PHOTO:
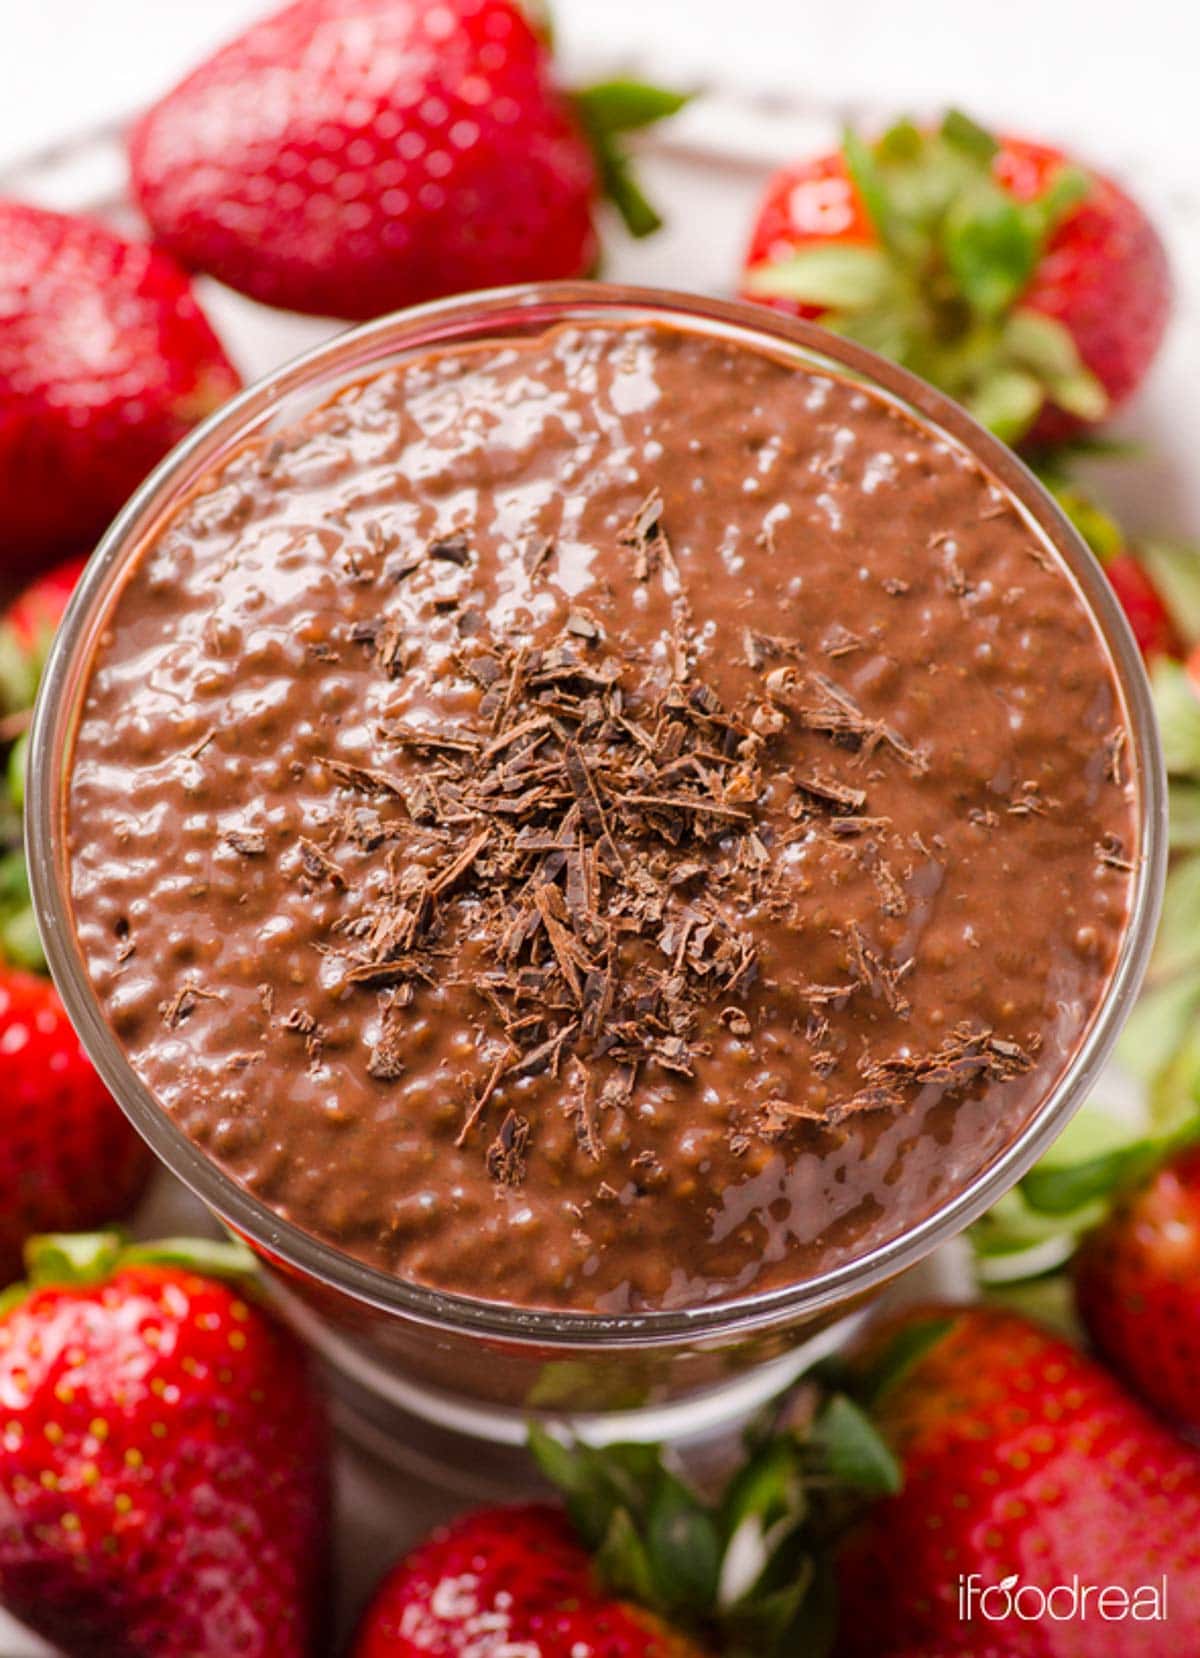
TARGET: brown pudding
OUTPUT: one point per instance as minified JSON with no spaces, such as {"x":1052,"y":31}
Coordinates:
{"x":605,"y":822}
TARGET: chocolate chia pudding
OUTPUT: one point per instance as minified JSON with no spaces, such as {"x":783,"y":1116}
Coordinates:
{"x":609,"y":821}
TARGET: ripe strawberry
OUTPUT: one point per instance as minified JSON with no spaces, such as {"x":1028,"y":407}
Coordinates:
{"x":1033,"y":292}
{"x":36,"y":612}
{"x":1022,"y":1458}
{"x":28,"y":626}
{"x":163,"y":1482}
{"x":507,"y":1580}
{"x":1152,"y":626}
{"x":1137,"y":1287}
{"x":348,"y":157}
{"x":105,"y":361}
{"x":68,"y":1157}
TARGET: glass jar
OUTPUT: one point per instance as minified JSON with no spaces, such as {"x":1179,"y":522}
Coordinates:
{"x":479,"y":1366}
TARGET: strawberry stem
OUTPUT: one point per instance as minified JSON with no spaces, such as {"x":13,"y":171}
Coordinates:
{"x":940,"y":280}
{"x":606,"y":111}
{"x":66,"y":1258}
{"x":751,"y":1563}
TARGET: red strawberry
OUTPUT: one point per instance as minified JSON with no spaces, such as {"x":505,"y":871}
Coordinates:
{"x":36,"y":612}
{"x":68,"y":1157}
{"x":1152,"y":624}
{"x":162,"y":1461}
{"x":1027,"y":1466}
{"x":348,"y":157}
{"x":508,"y":1581}
{"x":1148,"y":616}
{"x":28,"y":626}
{"x":105,"y":361}
{"x":1137,"y":1286}
{"x":1035,"y":293}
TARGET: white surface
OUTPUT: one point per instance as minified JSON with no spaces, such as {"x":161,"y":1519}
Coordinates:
{"x":1125,"y":76}
{"x":1118,"y":84}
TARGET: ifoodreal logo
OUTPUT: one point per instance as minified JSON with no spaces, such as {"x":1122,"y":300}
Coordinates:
{"x":1061,"y":1603}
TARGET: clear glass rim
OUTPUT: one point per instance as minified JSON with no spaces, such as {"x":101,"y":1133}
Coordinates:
{"x":351,"y":355}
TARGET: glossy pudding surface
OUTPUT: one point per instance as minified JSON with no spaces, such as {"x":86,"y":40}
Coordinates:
{"x":610,"y":821}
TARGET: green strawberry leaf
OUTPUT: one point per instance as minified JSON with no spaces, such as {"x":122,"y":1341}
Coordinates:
{"x":21,"y":942}
{"x":1159,"y":1023}
{"x":990,"y":248}
{"x":1047,"y":1300}
{"x":623,"y":1560}
{"x":541,"y":20}
{"x":606,"y":111}
{"x":1011,"y":1229}
{"x":1070,"y":1187}
{"x":19,"y":673}
{"x":89,"y":1257}
{"x":962,"y":133}
{"x":18,"y":762}
{"x":868,"y":180}
{"x":1175,"y":1094}
{"x":72,"y":1257}
{"x":1007,"y":402}
{"x":1183,"y":816}
{"x":627,"y":106}
{"x":768,"y":1487}
{"x":1175,"y":572}
{"x":770,"y":1622}
{"x":1042,"y":345}
{"x":210,"y":1257}
{"x":1079,"y":394}
{"x":1068,"y":187}
{"x":748,"y":1570}
{"x":557,"y":1461}
{"x":1098,"y":528}
{"x":837,"y":276}
{"x":684,"y":1547}
{"x":1048,"y":350}
{"x":902,"y":142}
{"x":905,"y":1349}
{"x":641,"y":218}
{"x":813,"y":1630}
{"x":1177,"y":945}
{"x":855,"y":1452}
{"x":1178,"y":710}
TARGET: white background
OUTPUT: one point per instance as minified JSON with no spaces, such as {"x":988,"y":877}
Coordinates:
{"x":1118,"y":83}
{"x":1125,"y":75}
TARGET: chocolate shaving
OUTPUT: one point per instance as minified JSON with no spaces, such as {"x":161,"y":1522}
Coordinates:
{"x":317,"y":864}
{"x":506,"y":1154}
{"x":595,"y":836}
{"x":178,"y":1007}
{"x":874,"y":974}
{"x":839,"y":641}
{"x":480,"y":1103}
{"x":386,"y":1059}
{"x":831,"y":793}
{"x":537,"y":554}
{"x":960,"y":1060}
{"x":1114,"y":748}
{"x":834,"y":713}
{"x":251,"y":843}
{"x":1110,"y":851}
{"x":450,"y":549}
{"x":1029,"y":801}
{"x":363,"y":778}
